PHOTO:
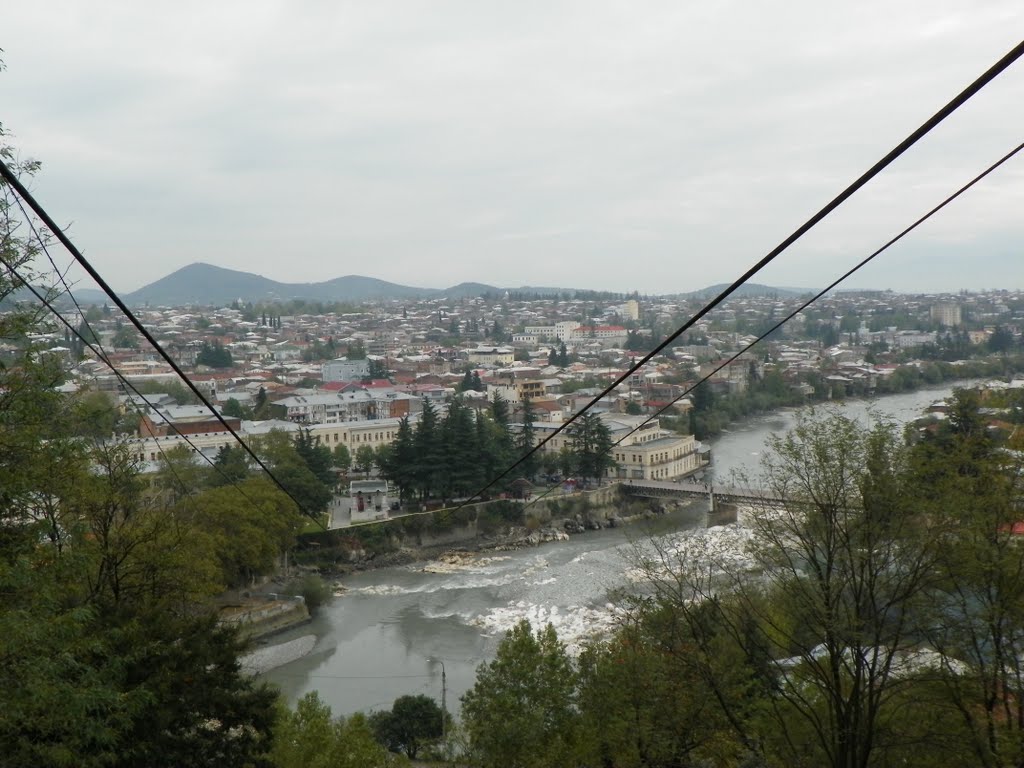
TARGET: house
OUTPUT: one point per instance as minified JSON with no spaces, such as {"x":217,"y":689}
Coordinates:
{"x":491,"y":356}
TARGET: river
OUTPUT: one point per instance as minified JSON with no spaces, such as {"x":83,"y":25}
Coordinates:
{"x":390,"y":634}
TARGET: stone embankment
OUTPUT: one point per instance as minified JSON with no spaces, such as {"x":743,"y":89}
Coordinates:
{"x":532,"y":523}
{"x":261,"y":615}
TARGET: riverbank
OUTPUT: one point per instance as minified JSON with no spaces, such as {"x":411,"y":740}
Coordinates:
{"x":389,"y":633}
{"x":403,"y":541}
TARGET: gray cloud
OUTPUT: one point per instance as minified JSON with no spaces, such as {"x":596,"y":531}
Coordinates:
{"x":655,"y":146}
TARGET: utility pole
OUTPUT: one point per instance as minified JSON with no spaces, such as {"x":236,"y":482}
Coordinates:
{"x":444,"y":706}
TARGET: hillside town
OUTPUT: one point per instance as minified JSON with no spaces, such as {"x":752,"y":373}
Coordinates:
{"x":347,"y":375}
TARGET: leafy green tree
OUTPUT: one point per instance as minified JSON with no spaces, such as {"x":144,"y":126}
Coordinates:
{"x":109,"y":654}
{"x":181,"y":472}
{"x":126,"y":338}
{"x":521,"y":711}
{"x":499,"y":411}
{"x":235,"y":410}
{"x":356,"y":350}
{"x":261,"y":405}
{"x":317,"y":457}
{"x":309,"y":737}
{"x":249,"y":533}
{"x":214,"y":356}
{"x":365,"y":459}
{"x":965,"y":477}
{"x":277,"y":447}
{"x":1001,"y":341}
{"x":643,"y":699}
{"x":342,"y":457}
{"x":232,"y":463}
{"x":846,"y":566}
{"x":412,"y":724}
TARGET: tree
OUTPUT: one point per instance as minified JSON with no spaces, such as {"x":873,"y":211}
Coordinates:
{"x":643,"y":700}
{"x":309,"y":737}
{"x":232,"y":463}
{"x":591,"y":444}
{"x":291,"y":469}
{"x":845,"y":566}
{"x":365,"y":458}
{"x":214,"y":356}
{"x":235,"y":410}
{"x":526,"y":440}
{"x":461,"y":449}
{"x":1001,"y":340}
{"x":317,"y":457}
{"x":125,"y":338}
{"x":978,"y":608}
{"x":109,"y":652}
{"x":414,"y":722}
{"x":399,"y":466}
{"x":521,"y":711}
{"x":250,"y":533}
{"x":356,"y":350}
{"x":261,"y":405}
{"x":342,"y":457}
{"x":430,"y":465}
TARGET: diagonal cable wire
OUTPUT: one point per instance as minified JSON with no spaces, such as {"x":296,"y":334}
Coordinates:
{"x":959,"y":100}
{"x":888,"y":244}
{"x":25,"y":195}
{"x":98,"y":352}
{"x":97,"y":349}
{"x":892,"y":241}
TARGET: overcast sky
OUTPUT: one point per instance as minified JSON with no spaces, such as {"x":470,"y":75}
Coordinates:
{"x":658,"y":145}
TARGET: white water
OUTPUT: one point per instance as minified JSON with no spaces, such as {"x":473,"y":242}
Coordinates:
{"x":390,"y":633}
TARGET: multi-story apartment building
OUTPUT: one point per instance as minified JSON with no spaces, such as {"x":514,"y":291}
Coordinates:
{"x":948,"y":314}
{"x":343,"y":369}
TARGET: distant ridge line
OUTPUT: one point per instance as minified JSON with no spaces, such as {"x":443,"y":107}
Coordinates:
{"x":207,"y":284}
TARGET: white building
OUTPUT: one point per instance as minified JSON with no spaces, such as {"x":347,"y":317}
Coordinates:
{"x":947,"y":314}
{"x":344,"y":369}
{"x":369,"y":500}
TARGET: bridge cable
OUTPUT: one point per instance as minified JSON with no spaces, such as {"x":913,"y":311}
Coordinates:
{"x":892,"y":241}
{"x":16,"y":184}
{"x":811,"y":300}
{"x":959,"y":100}
{"x":97,"y":349}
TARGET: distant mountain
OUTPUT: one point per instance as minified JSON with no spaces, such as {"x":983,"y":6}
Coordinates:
{"x":206,"y":284}
{"x":749,"y":289}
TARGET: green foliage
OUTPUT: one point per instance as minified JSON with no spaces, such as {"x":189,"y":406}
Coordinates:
{"x":341,"y":457}
{"x":365,"y":458}
{"x":295,"y":471}
{"x":109,"y":652}
{"x":521,"y":711}
{"x":591,"y":446}
{"x":309,"y":737}
{"x":126,"y":338}
{"x":234,"y":409}
{"x":248,"y":533}
{"x":314,"y":590}
{"x":414,"y":723}
{"x":214,"y":355}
